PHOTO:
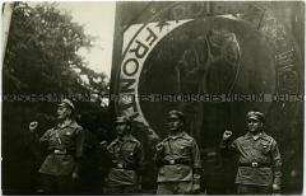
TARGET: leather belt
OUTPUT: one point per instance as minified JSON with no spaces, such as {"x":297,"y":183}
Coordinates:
{"x":123,"y":166}
{"x":62,"y":152}
{"x":255,"y":164}
{"x":177,"y":161}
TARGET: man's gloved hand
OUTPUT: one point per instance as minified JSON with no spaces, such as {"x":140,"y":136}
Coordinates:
{"x":33,"y":126}
{"x":196,"y":184}
{"x":75,"y":175}
{"x":226,"y":135}
{"x":276,"y":188}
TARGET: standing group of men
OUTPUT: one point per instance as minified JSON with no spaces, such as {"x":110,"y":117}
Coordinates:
{"x":177,"y":157}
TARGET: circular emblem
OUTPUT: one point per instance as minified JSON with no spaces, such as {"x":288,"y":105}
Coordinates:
{"x":213,"y":64}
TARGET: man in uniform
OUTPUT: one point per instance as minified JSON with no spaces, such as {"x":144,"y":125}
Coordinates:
{"x":178,"y":159}
{"x":127,"y":156}
{"x":64,"y":144}
{"x":259,"y":164}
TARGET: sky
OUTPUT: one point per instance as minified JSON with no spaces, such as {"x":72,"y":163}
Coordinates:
{"x":98,"y":19}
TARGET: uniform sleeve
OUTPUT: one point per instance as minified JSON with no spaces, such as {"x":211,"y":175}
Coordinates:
{"x":228,"y":145}
{"x":196,"y":156}
{"x":80,"y":139}
{"x":110,"y":148}
{"x":159,"y":152}
{"x":228,"y":148}
{"x":139,"y":156}
{"x":45,"y":137}
{"x":277,"y":163}
{"x":110,"y":152}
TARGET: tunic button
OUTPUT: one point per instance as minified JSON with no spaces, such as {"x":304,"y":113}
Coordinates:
{"x":254,"y":164}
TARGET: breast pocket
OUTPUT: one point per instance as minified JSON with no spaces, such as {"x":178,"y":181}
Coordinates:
{"x":128,"y":147}
{"x":245,"y":146}
{"x":184,"y":149}
{"x":68,"y":137}
{"x":129,"y":151}
{"x":265,"y":147}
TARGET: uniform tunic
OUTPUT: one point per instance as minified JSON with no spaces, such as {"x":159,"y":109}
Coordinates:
{"x":127,"y":157}
{"x":65,"y":146}
{"x":177,"y":156}
{"x":259,"y":161}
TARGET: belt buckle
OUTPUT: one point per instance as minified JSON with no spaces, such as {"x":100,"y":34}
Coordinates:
{"x":56,"y":151}
{"x":172,"y":162}
{"x":254,"y":164}
{"x":61,"y":152}
{"x":120,"y":166}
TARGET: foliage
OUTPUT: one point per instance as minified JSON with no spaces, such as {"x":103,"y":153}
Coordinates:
{"x":43,"y":41}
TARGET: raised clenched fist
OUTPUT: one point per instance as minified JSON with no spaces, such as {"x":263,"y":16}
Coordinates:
{"x":276,"y":188}
{"x":227,"y":134}
{"x":33,"y":125}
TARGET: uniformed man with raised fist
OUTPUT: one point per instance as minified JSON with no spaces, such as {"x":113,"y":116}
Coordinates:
{"x":259,"y":160}
{"x":64,"y":143}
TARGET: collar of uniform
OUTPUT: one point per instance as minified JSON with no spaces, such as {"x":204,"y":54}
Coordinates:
{"x":70,"y":123}
{"x":261,"y":135}
{"x":173,"y":137}
{"x":125,"y":138}
{"x":264,"y":135}
{"x":115,"y":141}
{"x":128,"y":138}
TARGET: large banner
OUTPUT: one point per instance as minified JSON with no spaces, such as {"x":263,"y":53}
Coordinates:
{"x":212,"y":51}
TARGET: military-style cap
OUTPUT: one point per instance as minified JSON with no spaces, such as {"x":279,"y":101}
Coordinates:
{"x":121,"y":119}
{"x":65,"y":103}
{"x":255,"y":115}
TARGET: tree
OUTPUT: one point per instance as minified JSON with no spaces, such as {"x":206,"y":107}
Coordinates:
{"x":41,"y":58}
{"x":43,"y":41}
